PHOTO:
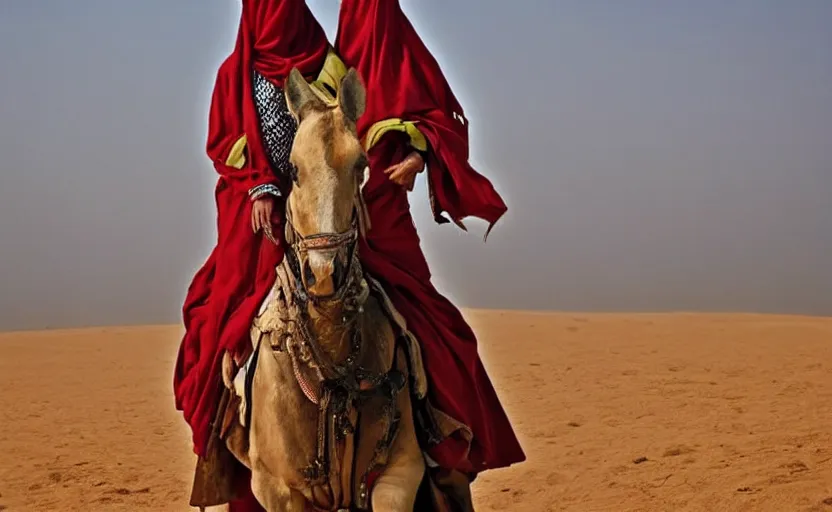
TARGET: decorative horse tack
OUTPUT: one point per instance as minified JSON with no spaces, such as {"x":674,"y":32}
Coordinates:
{"x":344,"y":388}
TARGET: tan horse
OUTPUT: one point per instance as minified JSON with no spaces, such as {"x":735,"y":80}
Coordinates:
{"x":330,"y":419}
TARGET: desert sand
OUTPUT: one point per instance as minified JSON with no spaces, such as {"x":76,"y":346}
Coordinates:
{"x":616,"y":413}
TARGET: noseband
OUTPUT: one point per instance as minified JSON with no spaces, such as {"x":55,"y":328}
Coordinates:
{"x":301,"y":246}
{"x":324,"y":241}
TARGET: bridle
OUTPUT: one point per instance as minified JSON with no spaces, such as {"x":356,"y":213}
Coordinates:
{"x":345,"y":241}
{"x":301,"y":246}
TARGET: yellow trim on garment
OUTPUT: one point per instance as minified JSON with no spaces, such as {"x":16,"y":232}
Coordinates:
{"x":332,"y":73}
{"x":394,"y":124}
{"x":237,"y":155}
{"x":329,"y":79}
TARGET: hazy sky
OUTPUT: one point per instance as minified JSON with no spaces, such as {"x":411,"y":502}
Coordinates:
{"x":655,"y":155}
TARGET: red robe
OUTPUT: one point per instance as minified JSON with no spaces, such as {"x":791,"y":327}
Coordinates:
{"x":274,"y":37}
{"x":403,"y":80}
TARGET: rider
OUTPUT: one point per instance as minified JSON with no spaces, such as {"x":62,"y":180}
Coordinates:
{"x":404,"y":82}
{"x":250,"y":135}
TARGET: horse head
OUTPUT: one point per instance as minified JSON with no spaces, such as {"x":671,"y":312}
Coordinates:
{"x":324,"y":210}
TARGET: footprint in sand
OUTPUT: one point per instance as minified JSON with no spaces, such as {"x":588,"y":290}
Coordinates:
{"x":121,"y":491}
{"x":675,"y":451}
{"x":795,"y":467}
{"x":555,"y":479}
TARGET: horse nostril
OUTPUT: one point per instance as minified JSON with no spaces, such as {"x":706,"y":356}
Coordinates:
{"x":337,"y":271}
{"x":308,"y":275}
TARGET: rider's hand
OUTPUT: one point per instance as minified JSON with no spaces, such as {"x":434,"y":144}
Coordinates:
{"x":261,"y":216}
{"x":404,"y":173}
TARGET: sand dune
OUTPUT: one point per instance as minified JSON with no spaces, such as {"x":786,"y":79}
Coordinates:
{"x":616,"y":412}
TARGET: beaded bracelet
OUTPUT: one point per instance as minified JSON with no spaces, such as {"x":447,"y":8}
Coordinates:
{"x":261,"y":190}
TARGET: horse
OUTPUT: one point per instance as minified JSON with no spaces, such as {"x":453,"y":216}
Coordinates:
{"x":329,"y":387}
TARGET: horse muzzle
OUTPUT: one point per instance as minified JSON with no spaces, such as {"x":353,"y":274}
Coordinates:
{"x":324,"y":272}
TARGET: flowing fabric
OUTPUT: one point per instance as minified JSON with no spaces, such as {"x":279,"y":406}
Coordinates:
{"x":404,"y":81}
{"x":274,"y":37}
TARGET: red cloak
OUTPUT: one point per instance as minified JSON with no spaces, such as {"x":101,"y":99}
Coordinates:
{"x":403,"y":80}
{"x":274,"y":36}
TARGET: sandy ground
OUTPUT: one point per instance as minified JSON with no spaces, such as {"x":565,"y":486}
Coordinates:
{"x":616,"y":412}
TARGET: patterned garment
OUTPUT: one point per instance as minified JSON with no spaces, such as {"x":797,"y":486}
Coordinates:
{"x":277,"y":126}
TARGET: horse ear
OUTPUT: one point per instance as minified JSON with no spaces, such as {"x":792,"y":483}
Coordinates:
{"x":299,"y":95}
{"x":352,"y":97}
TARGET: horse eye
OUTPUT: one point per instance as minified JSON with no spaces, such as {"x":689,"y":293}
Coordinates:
{"x":293,"y":172}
